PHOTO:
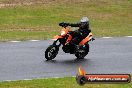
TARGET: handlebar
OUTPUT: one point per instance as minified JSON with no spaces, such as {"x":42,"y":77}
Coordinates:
{"x":63,"y":24}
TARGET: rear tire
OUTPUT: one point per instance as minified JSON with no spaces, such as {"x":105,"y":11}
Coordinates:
{"x":51,"y":52}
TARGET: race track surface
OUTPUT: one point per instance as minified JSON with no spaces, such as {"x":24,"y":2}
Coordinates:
{"x":25,"y":60}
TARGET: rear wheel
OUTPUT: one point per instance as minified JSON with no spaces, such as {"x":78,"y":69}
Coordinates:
{"x":82,"y":51}
{"x":51,"y":52}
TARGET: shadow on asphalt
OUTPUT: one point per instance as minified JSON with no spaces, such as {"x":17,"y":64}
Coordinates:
{"x":71,"y":61}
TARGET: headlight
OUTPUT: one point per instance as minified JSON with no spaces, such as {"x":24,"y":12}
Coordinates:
{"x":63,"y":33}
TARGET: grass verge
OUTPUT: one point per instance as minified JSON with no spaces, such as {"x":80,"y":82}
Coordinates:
{"x":67,"y":82}
{"x":40,"y":21}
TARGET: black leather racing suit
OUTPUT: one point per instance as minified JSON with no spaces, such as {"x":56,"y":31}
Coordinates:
{"x":79,"y":34}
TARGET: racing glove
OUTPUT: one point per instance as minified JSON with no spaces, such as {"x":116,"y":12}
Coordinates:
{"x":92,"y":39}
{"x":63,"y":24}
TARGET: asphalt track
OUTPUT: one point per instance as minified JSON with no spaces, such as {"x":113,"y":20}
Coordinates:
{"x":25,"y":60}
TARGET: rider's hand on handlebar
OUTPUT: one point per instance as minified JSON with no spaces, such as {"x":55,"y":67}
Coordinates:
{"x":63,"y":24}
{"x":92,"y":39}
{"x":60,"y":24}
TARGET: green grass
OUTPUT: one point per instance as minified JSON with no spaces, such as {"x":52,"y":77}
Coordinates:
{"x":17,"y":35}
{"x":40,"y":21}
{"x":67,"y":82}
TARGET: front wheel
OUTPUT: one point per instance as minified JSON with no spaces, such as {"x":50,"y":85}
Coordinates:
{"x":51,"y":52}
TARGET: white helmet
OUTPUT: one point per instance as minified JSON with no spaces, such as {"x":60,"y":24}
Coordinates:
{"x":84,"y":19}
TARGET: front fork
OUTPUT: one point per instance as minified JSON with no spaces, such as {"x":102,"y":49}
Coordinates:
{"x":55,"y":43}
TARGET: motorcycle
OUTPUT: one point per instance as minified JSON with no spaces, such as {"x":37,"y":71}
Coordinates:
{"x":80,"y":50}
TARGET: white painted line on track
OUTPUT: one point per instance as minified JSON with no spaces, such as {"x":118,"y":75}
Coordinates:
{"x":33,"y":79}
{"x":27,"y":79}
{"x":57,"y":77}
{"x":34,"y":40}
{"x":8,"y":80}
{"x":107,"y":37}
{"x":73,"y":76}
{"x":15,"y":41}
{"x":129,"y":36}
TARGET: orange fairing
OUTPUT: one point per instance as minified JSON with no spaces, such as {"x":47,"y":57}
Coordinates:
{"x":86,"y":39}
{"x":68,"y":39}
{"x":64,"y":31}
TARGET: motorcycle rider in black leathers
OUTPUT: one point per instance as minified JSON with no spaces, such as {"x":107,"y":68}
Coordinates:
{"x":81,"y":33}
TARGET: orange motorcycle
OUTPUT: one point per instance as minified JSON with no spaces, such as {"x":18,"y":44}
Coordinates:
{"x":80,"y":50}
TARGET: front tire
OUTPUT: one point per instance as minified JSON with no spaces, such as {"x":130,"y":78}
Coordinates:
{"x":51,"y":52}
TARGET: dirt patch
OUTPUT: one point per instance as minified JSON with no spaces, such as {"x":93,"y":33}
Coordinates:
{"x":11,"y":3}
{"x":26,"y":1}
{"x":7,"y":3}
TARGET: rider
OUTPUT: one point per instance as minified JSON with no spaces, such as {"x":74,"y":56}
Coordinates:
{"x":81,"y":33}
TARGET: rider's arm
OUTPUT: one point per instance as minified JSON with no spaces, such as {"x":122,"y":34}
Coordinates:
{"x":74,"y":25}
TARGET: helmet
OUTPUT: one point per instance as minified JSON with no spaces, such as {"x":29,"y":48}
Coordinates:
{"x":84,"y":23}
{"x":84,"y":19}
